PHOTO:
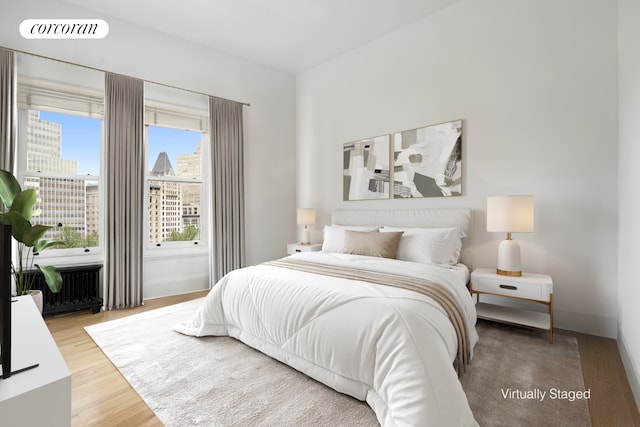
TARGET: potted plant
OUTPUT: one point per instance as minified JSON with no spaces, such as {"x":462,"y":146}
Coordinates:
{"x":17,"y":210}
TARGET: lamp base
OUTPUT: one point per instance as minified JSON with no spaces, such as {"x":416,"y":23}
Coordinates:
{"x":306,"y":237}
{"x":508,"y":273}
{"x":509,"y":259}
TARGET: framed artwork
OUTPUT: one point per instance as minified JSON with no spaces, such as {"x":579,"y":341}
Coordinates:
{"x":427,"y":162}
{"x":366,"y":169}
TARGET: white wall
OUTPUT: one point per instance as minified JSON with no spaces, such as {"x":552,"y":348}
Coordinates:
{"x":535,"y":85}
{"x":629,"y":177}
{"x":269,"y":121}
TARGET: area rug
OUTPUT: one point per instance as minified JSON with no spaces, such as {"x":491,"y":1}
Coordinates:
{"x":218,"y":381}
{"x":516,"y":378}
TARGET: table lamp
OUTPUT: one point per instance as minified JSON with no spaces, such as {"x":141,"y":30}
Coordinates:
{"x":306,"y":216}
{"x":509,"y":214}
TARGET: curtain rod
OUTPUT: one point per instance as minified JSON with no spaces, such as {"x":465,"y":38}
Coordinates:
{"x":105,"y":71}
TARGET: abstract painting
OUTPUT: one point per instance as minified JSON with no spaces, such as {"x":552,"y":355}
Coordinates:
{"x":427,"y":162}
{"x":366,"y":169}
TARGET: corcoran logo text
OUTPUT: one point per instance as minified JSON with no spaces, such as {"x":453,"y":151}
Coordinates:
{"x":64,"y":29}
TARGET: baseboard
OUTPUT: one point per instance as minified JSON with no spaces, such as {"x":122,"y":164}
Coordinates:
{"x":173,"y":294}
{"x":632,"y":371}
{"x":600,"y":326}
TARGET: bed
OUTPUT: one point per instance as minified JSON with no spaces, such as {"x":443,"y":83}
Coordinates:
{"x":395,"y":333}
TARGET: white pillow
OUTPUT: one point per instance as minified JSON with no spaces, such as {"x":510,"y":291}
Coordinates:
{"x":440,"y":246}
{"x":334,"y":235}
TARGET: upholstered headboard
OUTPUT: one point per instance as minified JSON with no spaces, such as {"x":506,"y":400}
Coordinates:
{"x":427,"y":218}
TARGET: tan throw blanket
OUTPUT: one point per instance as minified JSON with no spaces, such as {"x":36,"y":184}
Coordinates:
{"x":435,"y":291}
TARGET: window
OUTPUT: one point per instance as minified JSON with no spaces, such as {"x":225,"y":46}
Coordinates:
{"x":60,"y":136}
{"x":176,"y":185}
{"x":174,"y":178}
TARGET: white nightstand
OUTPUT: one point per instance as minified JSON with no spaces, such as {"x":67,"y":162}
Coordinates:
{"x":294,"y":248}
{"x":531,"y":287}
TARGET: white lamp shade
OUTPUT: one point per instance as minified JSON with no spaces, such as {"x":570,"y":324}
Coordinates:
{"x":510,"y":214}
{"x":306,"y":216}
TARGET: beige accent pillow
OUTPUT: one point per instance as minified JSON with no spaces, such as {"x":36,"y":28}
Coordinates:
{"x":384,"y":245}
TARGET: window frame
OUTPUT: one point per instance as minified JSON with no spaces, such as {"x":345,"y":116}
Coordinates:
{"x":68,"y":256}
{"x":170,"y":248}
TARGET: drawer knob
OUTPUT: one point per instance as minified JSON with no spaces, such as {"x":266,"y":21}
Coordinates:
{"x":510,"y":287}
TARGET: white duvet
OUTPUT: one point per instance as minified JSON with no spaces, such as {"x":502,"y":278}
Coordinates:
{"x":392,"y":347}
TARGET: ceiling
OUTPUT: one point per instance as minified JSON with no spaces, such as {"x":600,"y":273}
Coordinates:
{"x":290,"y":35}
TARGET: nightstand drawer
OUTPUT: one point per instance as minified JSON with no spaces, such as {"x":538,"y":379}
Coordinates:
{"x":294,"y":248}
{"x":510,"y":288}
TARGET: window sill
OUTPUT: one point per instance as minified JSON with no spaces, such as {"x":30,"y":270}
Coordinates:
{"x":62,"y":260}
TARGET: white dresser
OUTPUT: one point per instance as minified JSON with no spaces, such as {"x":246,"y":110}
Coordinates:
{"x":40,"y":396}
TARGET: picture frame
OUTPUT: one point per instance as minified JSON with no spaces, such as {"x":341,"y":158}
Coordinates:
{"x":427,"y":161}
{"x":366,"y":169}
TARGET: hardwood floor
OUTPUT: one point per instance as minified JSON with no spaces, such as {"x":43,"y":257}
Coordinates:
{"x":612,"y":403}
{"x":102,"y":397}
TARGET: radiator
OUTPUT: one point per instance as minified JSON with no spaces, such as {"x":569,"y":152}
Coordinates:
{"x":80,"y":290}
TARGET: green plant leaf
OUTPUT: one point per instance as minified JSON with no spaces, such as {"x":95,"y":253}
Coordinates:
{"x":52,"y":276}
{"x":18,"y":213}
{"x":9,"y":188}
{"x":43,"y":244}
{"x":31,"y":236}
{"x":24,"y":202}
{"x":19,"y":225}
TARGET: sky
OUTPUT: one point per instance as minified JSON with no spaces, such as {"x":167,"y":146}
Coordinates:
{"x":81,"y":141}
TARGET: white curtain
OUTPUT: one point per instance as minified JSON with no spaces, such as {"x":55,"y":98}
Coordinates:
{"x":8,"y":112}
{"x":227,"y":183}
{"x":124,"y":131}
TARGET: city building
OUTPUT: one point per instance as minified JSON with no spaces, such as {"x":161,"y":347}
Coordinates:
{"x":92,"y":191}
{"x":189,"y":166}
{"x":62,"y":200}
{"x":165,"y":205}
